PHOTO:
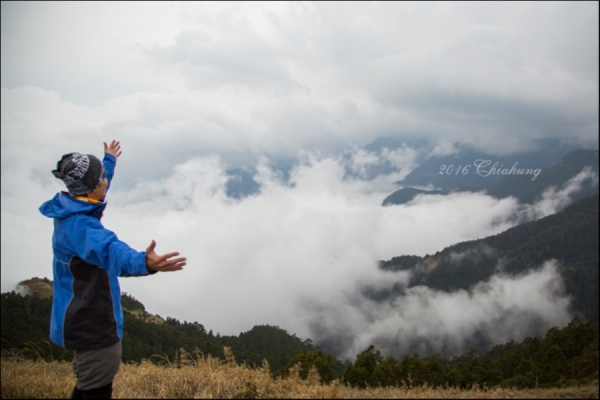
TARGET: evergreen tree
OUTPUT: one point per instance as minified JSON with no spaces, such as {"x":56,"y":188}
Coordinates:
{"x":325,"y":364}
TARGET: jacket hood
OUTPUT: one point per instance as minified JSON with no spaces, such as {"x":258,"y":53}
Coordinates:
{"x":63,"y":205}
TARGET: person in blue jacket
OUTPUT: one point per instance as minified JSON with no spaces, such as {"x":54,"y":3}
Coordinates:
{"x":88,"y":259}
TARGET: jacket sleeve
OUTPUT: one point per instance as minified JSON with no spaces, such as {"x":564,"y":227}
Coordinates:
{"x":96,"y":245}
{"x":109,"y":161}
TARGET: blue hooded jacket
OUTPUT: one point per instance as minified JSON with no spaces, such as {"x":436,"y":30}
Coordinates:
{"x":88,"y":258}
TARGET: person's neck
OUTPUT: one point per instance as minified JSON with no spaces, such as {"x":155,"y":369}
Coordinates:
{"x":88,"y":199}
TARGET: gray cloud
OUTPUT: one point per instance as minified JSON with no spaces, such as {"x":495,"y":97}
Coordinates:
{"x":281,"y":78}
{"x":426,"y":321}
{"x":237,"y":56}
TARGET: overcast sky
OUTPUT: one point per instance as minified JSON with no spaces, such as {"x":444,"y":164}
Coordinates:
{"x":191,"y":89}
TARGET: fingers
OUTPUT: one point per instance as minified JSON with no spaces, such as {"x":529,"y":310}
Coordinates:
{"x":171,"y":265}
{"x":172,"y":262}
{"x":114,"y":148}
{"x":165,"y":257}
{"x":164,"y":263}
{"x":150,"y":248}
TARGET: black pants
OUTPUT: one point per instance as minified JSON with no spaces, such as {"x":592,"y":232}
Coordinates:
{"x":104,"y":392}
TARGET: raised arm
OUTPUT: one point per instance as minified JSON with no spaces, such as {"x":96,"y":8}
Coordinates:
{"x":114,"y":150}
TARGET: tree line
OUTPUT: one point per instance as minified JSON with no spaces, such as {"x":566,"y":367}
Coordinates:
{"x":563,"y":357}
{"x":26,"y":322}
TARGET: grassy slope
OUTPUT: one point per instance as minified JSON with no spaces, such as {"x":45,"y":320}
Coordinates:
{"x":200,"y":377}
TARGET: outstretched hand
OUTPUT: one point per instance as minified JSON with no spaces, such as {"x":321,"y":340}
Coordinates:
{"x":165,"y":262}
{"x":114,"y":148}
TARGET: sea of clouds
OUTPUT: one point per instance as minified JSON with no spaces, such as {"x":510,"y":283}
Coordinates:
{"x":297,"y":254}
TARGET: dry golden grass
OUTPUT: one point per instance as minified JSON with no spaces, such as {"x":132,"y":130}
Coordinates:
{"x":207,"y":377}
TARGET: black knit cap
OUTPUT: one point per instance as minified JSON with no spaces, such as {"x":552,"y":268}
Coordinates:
{"x":82,"y":173}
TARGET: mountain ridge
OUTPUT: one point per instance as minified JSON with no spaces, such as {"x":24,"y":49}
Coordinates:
{"x":527,"y":188}
{"x":448,"y":172}
{"x":569,"y":236}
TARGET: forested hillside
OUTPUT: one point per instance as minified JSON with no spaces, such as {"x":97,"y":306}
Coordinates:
{"x":564,"y":357}
{"x":26,"y":320}
{"x":570,"y":236}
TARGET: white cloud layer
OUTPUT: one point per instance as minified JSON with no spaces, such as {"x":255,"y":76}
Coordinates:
{"x":554,"y":199}
{"x":427,"y":321}
{"x":296,"y":255}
